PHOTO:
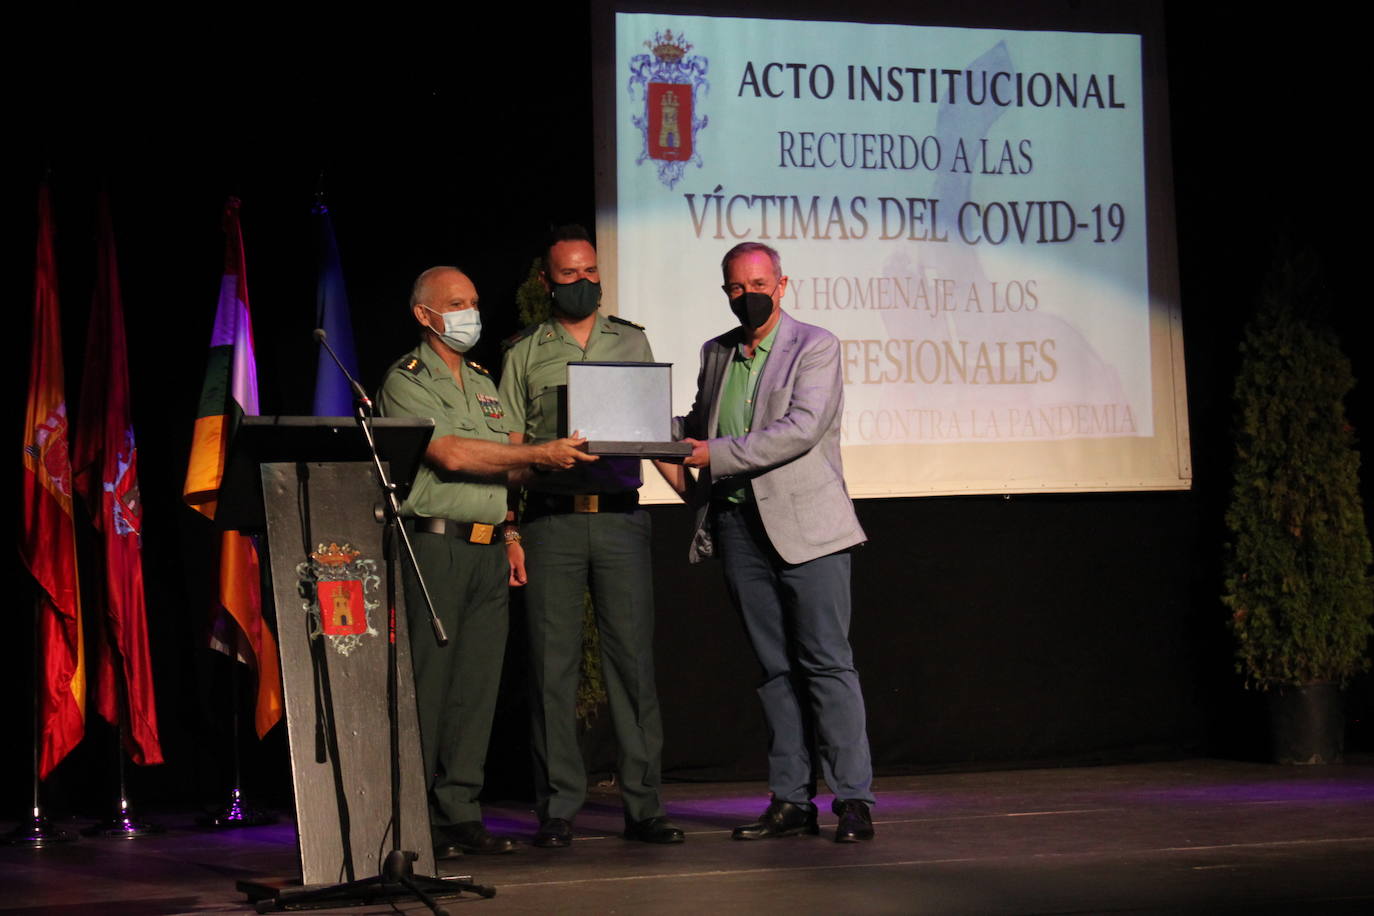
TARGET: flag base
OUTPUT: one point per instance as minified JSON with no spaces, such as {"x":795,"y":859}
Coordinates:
{"x":37,"y":833}
{"x":123,"y":827}
{"x":237,"y":813}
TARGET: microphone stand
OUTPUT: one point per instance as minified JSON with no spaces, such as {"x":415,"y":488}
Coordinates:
{"x":397,"y":879}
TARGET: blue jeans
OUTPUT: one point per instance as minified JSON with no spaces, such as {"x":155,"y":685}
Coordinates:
{"x":797,"y":618}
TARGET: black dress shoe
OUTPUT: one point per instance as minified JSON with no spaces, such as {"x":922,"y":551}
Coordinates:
{"x":470,"y":838}
{"x":856,"y":823}
{"x":653,"y":830}
{"x":554,"y":833}
{"x":781,"y":819}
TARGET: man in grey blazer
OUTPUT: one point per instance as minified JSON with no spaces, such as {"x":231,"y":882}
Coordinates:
{"x":771,"y":503}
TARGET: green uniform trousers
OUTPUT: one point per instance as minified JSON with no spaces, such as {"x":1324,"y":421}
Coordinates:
{"x":564,"y":554}
{"x":456,"y":685}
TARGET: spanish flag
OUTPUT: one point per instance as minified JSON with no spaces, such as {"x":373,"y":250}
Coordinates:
{"x":230,"y":391}
{"x":48,"y":537}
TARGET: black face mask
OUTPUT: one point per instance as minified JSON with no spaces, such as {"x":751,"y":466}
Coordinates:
{"x":577,"y":299}
{"x":752,"y":309}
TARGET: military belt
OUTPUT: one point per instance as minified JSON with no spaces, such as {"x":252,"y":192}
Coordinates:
{"x":540,"y":504}
{"x":472,"y":532}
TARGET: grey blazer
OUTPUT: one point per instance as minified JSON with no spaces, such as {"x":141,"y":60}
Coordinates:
{"x":791,"y":454}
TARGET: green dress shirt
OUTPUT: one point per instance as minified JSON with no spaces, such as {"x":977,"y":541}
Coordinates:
{"x":737,"y":398}
{"x":421,"y":385}
{"x":536,"y":367}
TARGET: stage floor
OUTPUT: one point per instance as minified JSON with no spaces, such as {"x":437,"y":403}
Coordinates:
{"x":1191,"y":836}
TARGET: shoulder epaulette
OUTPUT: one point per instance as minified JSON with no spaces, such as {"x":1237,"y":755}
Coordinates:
{"x":518,"y":336}
{"x":618,"y":320}
{"x":411,"y":364}
{"x":478,"y":368}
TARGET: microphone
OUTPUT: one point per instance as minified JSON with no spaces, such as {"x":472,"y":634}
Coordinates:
{"x":358,"y":393}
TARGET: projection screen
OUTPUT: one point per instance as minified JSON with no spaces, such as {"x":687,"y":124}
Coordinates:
{"x":982,"y":216}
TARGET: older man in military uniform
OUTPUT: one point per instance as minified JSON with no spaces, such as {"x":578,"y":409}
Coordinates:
{"x":583,"y":527}
{"x":454,"y":511}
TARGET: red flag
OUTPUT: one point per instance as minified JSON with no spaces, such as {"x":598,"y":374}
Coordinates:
{"x":107,"y":479}
{"x":48,"y":538}
{"x":229,"y":392}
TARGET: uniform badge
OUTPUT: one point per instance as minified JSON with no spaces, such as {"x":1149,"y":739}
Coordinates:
{"x":669,"y":79}
{"x":412,"y":364}
{"x":336,"y":584}
{"x":491,"y":407}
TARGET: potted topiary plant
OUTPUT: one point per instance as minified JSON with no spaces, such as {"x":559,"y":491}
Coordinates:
{"x":1297,"y":576}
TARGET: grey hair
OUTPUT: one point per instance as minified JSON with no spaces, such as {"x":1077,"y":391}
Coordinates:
{"x":745,"y":248}
{"x":417,"y":292}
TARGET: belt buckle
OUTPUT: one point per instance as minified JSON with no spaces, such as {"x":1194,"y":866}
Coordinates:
{"x":481,"y":534}
{"x":586,"y":502}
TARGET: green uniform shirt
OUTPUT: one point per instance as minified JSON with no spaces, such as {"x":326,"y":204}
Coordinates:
{"x":536,"y":366}
{"x":420,"y":385}
{"x":737,"y":398}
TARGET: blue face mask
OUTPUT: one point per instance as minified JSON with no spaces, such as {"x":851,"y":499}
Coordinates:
{"x":461,"y":328}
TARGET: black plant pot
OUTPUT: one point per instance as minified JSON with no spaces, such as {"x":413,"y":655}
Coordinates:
{"x":1307,"y":724}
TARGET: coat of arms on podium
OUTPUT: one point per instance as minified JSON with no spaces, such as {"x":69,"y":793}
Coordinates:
{"x":669,"y":79}
{"x":336,"y":584}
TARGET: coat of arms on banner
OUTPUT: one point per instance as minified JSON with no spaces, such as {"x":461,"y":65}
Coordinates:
{"x":126,"y":509}
{"x":670,"y":80}
{"x":336,"y":583}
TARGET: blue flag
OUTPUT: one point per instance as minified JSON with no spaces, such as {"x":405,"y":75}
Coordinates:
{"x":333,"y":397}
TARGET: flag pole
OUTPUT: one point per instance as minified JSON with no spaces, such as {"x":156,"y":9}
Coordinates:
{"x":106,"y":477}
{"x":230,"y":391}
{"x":48,"y":543}
{"x":123,"y":824}
{"x":236,"y":812}
{"x":39,"y":831}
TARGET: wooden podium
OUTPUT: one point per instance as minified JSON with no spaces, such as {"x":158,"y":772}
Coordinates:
{"x":309,"y":484}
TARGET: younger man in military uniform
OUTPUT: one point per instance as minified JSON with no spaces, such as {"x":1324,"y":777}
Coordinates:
{"x":454,"y":513}
{"x":583,"y":527}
